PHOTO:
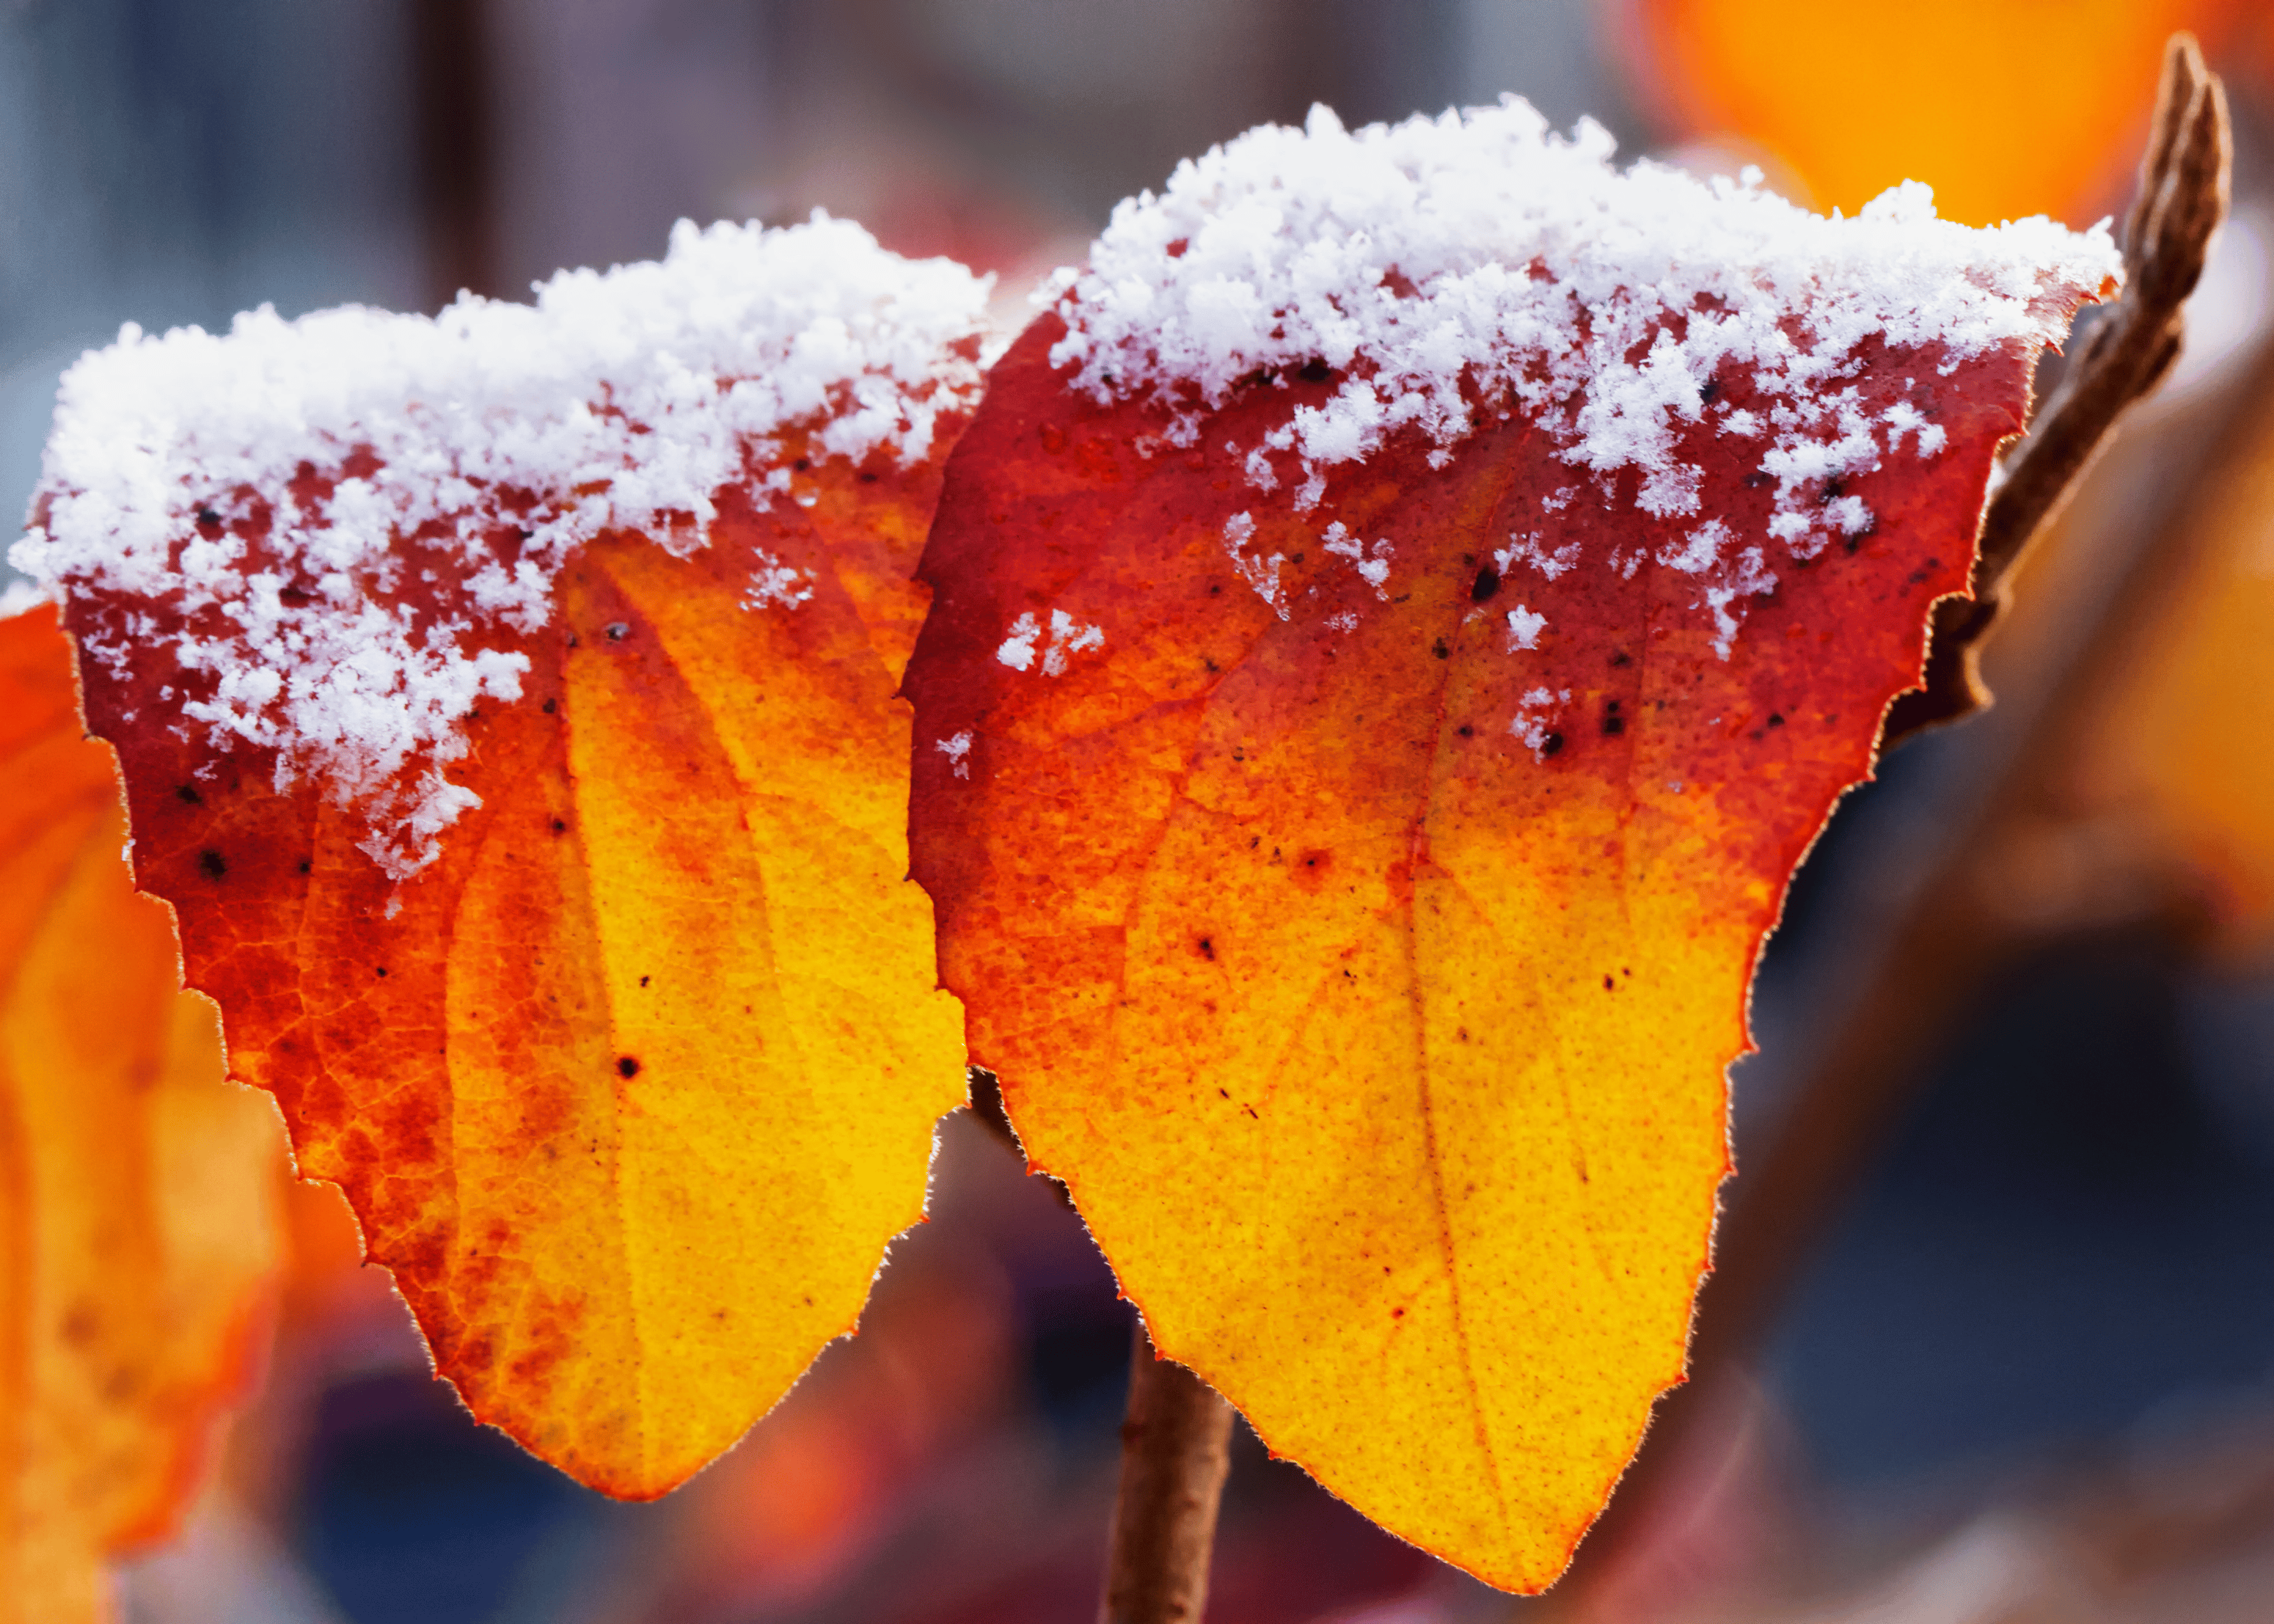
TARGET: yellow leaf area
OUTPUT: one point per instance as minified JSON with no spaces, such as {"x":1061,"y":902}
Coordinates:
{"x":138,"y":1239}
{"x":2005,"y":109}
{"x":2183,"y":747}
{"x":632,"y":1085}
{"x":1369,"y":973}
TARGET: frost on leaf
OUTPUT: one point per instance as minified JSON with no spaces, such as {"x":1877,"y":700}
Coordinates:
{"x":1501,"y":563}
{"x":507,"y":703}
{"x":140,"y":1185}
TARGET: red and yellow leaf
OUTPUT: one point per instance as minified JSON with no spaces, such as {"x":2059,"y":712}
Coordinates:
{"x":607,"y":1001}
{"x":1353,"y":865}
{"x":137,"y":1184}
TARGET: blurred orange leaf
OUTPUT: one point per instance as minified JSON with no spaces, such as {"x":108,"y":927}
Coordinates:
{"x":2005,"y":111}
{"x":137,"y":1185}
{"x":2179,"y":752}
{"x":1361,"y":930}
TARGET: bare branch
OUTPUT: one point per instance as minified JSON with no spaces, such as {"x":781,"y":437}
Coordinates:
{"x":1176,"y":1446}
{"x":2182,"y":200}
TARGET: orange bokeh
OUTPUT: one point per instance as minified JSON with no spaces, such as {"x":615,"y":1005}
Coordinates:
{"x":2005,"y":109}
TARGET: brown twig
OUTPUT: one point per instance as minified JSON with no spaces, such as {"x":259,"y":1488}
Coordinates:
{"x":2182,"y":197}
{"x":1176,"y":1446}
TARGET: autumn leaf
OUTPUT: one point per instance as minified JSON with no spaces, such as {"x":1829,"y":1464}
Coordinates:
{"x":506,"y":704}
{"x":1400,"y":619}
{"x":137,"y":1185}
{"x":2004,"y":109}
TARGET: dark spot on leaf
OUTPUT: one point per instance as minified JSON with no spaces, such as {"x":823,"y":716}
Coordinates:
{"x":380,"y":972}
{"x":1467,"y":732}
{"x":1622,"y":658}
{"x":551,"y":705}
{"x":644,"y":980}
{"x":206,"y":515}
{"x":1606,"y":983}
{"x":1208,"y":949}
{"x":1614,"y":723}
{"x":801,"y":464}
{"x":1776,"y":718}
{"x":1251,"y":1113}
{"x":305,"y":866}
{"x":1485,"y":585}
{"x":1210,"y":664}
{"x":211,"y":862}
{"x":560,"y":825}
{"x":188,"y":793}
{"x":1706,"y":395}
{"x":1316,"y":372}
{"x":1226,"y":1093}
{"x":626,"y":1067}
{"x":618,"y":630}
{"x":866,"y":479}
{"x":1551,"y":744}
{"x":1439,"y":649}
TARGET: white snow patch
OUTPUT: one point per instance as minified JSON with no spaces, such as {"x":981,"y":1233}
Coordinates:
{"x":1458,"y":268}
{"x":1700,"y":552}
{"x":1067,"y":638}
{"x":621,"y":399}
{"x":1524,"y":628}
{"x":957,"y":748}
{"x":1018,"y":650}
{"x":1373,"y":567}
{"x":778,"y":584}
{"x":1526,"y":549}
{"x":20,"y":598}
{"x":1535,"y":715}
{"x":1260,"y":574}
{"x":1064,"y":637}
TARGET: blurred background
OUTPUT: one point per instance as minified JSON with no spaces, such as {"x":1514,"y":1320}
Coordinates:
{"x":1992,"y":1332}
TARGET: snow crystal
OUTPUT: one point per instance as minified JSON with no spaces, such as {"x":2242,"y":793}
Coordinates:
{"x":957,"y":748}
{"x":1066,"y":637}
{"x":1524,"y":628}
{"x":1375,"y":569}
{"x":1017,"y":650}
{"x":619,"y":399}
{"x":1260,"y":573}
{"x":1534,"y":718}
{"x":1462,"y":267}
{"x":774,"y":583}
{"x":1526,"y":549}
